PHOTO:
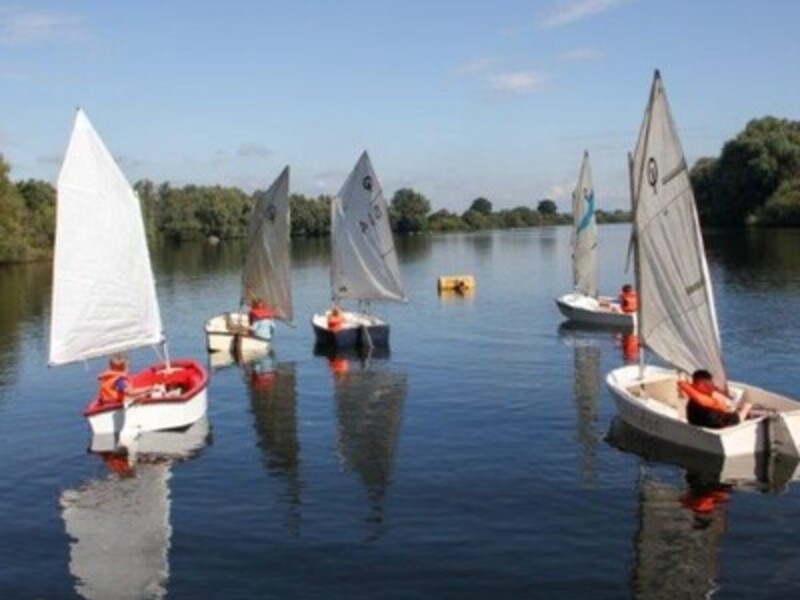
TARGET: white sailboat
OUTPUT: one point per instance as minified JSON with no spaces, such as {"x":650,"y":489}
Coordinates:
{"x":677,"y":318}
{"x":266,"y":274}
{"x":364,"y":261}
{"x":583,"y":305}
{"x":104,"y":297}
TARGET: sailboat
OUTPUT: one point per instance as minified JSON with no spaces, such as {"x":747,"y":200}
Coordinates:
{"x":266,"y":275}
{"x":583,"y":305}
{"x":364,"y":261}
{"x":676,"y":317}
{"x":104,"y":296}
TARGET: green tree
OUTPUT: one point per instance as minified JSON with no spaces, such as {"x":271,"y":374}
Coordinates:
{"x":547,"y":207}
{"x":444,"y":220}
{"x":783,"y":207}
{"x":13,"y":245}
{"x":409,"y":211}
{"x":750,"y":169}
{"x":481,"y":205}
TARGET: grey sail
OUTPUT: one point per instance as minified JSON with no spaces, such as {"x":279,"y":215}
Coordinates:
{"x":267,"y":267}
{"x":584,"y":236}
{"x":364,"y":263}
{"x":677,"y":319}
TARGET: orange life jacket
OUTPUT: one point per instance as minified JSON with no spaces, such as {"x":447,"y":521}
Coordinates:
{"x":335,"y":322}
{"x":707,"y":401}
{"x":629,"y":301}
{"x":257,"y":313}
{"x":108,"y":386}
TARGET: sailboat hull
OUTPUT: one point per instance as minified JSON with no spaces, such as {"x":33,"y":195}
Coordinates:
{"x":229,"y":333}
{"x":649,"y":401}
{"x":586,"y":310}
{"x":184,"y":402}
{"x":358,"y":331}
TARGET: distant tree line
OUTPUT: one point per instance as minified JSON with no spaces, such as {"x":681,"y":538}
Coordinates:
{"x":190,"y":213}
{"x":756,"y":178}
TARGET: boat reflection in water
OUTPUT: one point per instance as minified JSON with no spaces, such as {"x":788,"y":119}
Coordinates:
{"x":586,"y":347}
{"x":272,"y":388}
{"x":681,"y":524}
{"x":119,"y":526}
{"x":369,"y":412}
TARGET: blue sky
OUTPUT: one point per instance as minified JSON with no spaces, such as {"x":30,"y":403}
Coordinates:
{"x":457,"y":99}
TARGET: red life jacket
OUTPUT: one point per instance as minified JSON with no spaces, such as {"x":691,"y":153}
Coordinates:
{"x":335,"y":322}
{"x":707,"y":401}
{"x":108,"y":386}
{"x":629,"y":301}
{"x":257,"y":313}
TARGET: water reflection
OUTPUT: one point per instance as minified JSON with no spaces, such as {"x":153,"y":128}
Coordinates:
{"x":412,"y":248}
{"x":764,"y":257}
{"x":272,"y":388}
{"x":369,"y":412}
{"x":587,"y":380}
{"x":119,"y":526}
{"x":678,"y":540}
{"x":24,"y":297}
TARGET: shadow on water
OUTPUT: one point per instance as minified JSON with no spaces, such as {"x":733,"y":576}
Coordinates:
{"x":119,"y":526}
{"x":678,"y":540}
{"x":369,"y":413}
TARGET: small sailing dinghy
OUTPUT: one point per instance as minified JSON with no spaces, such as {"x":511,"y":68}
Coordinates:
{"x":104,"y":296}
{"x":266,"y":276}
{"x":583,"y":305}
{"x":363,"y":263}
{"x":677,"y":318}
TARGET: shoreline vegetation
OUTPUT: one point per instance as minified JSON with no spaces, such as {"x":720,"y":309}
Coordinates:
{"x":754,"y":182}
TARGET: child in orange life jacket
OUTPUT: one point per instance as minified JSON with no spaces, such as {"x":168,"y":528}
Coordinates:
{"x":708,"y":406}
{"x":115,"y":383}
{"x":335,"y":319}
{"x":628,"y":299}
{"x":261,"y":317}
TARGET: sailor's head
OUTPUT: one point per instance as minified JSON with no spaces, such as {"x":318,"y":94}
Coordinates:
{"x":118,"y":362}
{"x":627,"y":288}
{"x":703,"y":380}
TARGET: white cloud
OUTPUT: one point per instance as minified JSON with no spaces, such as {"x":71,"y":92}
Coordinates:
{"x":567,"y":12}
{"x":558,"y":191}
{"x":581,"y":55}
{"x":28,"y":28}
{"x":517,"y":82}
{"x":471,"y":67}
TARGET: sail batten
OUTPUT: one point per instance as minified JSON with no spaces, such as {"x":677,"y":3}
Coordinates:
{"x":364,"y":262}
{"x":267,"y":269}
{"x":677,"y":318}
{"x":584,"y":236}
{"x":104,"y":296}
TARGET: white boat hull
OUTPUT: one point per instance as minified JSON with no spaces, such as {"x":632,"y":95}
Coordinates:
{"x":224,"y":333}
{"x":154,"y":413}
{"x":649,"y":401}
{"x":579,"y":308}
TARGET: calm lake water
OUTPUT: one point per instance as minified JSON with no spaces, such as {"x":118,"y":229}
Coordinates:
{"x":471,"y":462}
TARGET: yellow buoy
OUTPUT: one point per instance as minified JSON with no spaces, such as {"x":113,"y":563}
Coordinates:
{"x":456,"y":283}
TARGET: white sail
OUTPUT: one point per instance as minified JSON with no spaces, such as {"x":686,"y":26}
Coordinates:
{"x":677,"y":319}
{"x":104,"y":297}
{"x":364,"y":264}
{"x":267,"y":268}
{"x":584,"y":258}
{"x":120,"y":534}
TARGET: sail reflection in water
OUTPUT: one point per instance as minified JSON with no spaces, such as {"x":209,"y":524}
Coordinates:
{"x":273,"y":399}
{"x":119,"y":526}
{"x":369,"y":411}
{"x":586,"y":348}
